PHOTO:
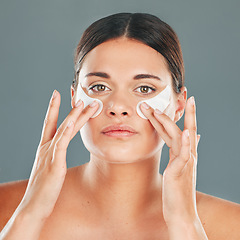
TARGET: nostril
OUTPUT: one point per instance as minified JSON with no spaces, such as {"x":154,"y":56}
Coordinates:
{"x":123,"y":113}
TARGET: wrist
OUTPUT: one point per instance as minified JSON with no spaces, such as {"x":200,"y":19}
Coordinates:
{"x":33,"y":210}
{"x":182,"y":229}
{"x":28,"y":213}
{"x":22,"y":225}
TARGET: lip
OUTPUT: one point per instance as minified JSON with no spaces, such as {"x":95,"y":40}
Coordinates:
{"x":119,"y":131}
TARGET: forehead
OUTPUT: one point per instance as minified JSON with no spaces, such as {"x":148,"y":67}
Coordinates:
{"x":125,"y":57}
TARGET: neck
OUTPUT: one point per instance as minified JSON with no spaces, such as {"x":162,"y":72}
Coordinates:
{"x":125,"y":190}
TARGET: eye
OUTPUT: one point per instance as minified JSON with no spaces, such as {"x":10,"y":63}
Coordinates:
{"x":145,"y":89}
{"x":98,"y":88}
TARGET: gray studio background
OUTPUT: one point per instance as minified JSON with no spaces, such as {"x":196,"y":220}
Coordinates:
{"x":37,"y":42}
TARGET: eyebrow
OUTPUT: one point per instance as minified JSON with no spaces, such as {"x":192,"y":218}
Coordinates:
{"x":98,"y":74}
{"x":137,"y":77}
{"x":142,"y":76}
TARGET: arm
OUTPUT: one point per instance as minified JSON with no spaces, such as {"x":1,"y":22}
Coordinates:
{"x":48,"y":173}
{"x":179,"y":178}
{"x":22,"y":225}
{"x":184,"y":230}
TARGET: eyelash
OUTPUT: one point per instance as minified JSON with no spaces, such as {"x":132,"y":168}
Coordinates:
{"x":145,"y":86}
{"x":153,"y":89}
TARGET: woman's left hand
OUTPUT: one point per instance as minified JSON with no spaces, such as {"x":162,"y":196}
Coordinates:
{"x":179,"y":178}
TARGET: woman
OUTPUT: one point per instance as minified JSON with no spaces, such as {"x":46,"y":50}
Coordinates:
{"x":121,"y":60}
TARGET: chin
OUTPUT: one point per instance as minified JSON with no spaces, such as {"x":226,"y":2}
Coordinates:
{"x":120,"y":156}
{"x":114,"y":153}
{"x":123,"y":155}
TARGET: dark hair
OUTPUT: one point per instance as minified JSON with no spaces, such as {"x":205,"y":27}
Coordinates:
{"x":143,"y":27}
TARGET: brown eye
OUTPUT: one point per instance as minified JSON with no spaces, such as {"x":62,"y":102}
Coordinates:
{"x":146,"y":89}
{"x":100,"y":88}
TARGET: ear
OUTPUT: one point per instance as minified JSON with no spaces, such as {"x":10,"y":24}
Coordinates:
{"x":181,"y":103}
{"x":72,"y":96}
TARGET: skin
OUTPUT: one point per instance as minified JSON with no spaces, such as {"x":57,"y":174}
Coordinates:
{"x":119,"y":193}
{"x":141,"y":152}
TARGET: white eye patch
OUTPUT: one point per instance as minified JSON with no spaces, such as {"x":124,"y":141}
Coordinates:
{"x":160,"y":101}
{"x":88,"y":100}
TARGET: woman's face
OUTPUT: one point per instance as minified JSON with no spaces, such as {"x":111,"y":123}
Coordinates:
{"x":118,"y":73}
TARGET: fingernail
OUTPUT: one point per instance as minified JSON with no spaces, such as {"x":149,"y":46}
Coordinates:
{"x":145,"y":105}
{"x":54,"y":94}
{"x":192,"y":100}
{"x":157,"y":111}
{"x":93,"y":104}
{"x":78,"y":103}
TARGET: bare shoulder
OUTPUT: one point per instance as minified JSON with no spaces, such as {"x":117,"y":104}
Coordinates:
{"x":11,"y":195}
{"x":220,"y":218}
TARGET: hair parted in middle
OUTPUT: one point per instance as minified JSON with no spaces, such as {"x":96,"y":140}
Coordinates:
{"x":142,"y":27}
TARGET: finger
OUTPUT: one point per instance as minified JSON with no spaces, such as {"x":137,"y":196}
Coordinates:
{"x":50,"y":122}
{"x":72,"y":116}
{"x":60,"y":148}
{"x":185,"y":153}
{"x":79,"y":116}
{"x":169,"y":130}
{"x":190,"y":122}
{"x":172,"y":129}
{"x":149,"y":114}
{"x":85,"y":115}
{"x":198,"y":139}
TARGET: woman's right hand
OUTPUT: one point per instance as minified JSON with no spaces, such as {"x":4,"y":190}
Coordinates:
{"x":50,"y":166}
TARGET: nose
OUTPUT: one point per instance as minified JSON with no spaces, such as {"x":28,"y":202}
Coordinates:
{"x":118,"y":106}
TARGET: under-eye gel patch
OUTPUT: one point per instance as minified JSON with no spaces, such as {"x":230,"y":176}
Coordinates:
{"x":160,"y":101}
{"x":87,"y":100}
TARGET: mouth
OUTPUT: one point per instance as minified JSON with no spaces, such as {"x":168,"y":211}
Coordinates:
{"x":119,"y":131}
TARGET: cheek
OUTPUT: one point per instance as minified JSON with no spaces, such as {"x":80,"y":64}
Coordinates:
{"x":151,"y":138}
{"x":87,"y":135}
